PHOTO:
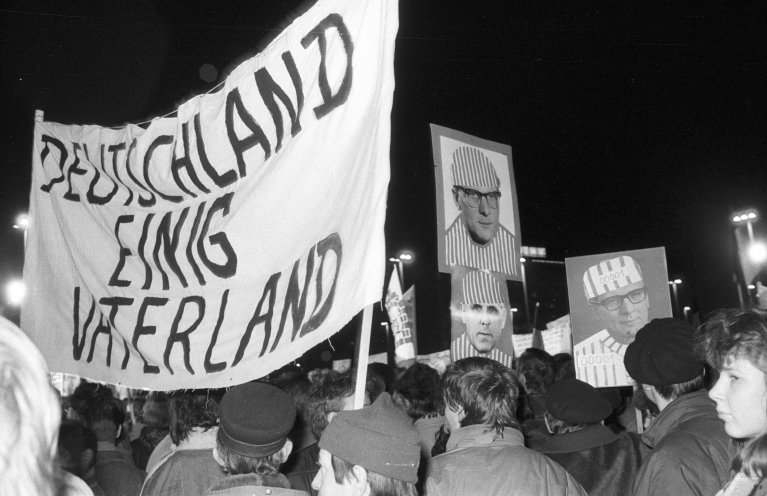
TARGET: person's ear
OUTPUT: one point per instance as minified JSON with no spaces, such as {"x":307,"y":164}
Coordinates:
{"x":330,"y":416}
{"x":286,"y":450}
{"x":87,"y":459}
{"x":360,"y":480}
{"x":455,"y":198}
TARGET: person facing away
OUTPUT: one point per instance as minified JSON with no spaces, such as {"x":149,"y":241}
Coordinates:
{"x":252,"y":441}
{"x":116,"y":473}
{"x":604,"y":462}
{"x":373,"y":451}
{"x":182,"y":464}
{"x":77,"y":453}
{"x":690,"y":448}
{"x":734,"y":342}
{"x":485,"y":452}
{"x":332,"y":392}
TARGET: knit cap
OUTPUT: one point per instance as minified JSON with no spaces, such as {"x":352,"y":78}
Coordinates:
{"x":663,"y":353}
{"x":380,"y":437}
{"x":255,"y":419}
{"x":576,"y":402}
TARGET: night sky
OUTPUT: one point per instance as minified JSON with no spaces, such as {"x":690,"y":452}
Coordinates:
{"x":632,"y":125}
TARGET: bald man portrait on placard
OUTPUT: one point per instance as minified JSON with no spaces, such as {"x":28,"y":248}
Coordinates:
{"x":617,"y":297}
{"x":477,"y":238}
{"x":483,"y":312}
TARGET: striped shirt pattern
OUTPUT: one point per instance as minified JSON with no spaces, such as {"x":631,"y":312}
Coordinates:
{"x":610,"y":275}
{"x":481,"y":286}
{"x":462,"y":348}
{"x":499,"y":255}
{"x":472,"y":169}
{"x":599,"y":361}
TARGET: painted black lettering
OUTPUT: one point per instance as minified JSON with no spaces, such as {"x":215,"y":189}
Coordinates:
{"x":270,"y":291}
{"x":91,"y":196}
{"x":115,"y":302}
{"x":185,"y":163}
{"x":295,"y":299}
{"x":183,"y":337}
{"x":102,"y":328}
{"x":221,"y":180}
{"x":170,"y":245}
{"x":162,"y":140}
{"x":218,"y":366}
{"x":141,"y":253}
{"x":143,"y":330}
{"x":268,"y":89}
{"x":49,"y":140}
{"x":331,"y":243}
{"x":123,"y":253}
{"x":144,"y":202}
{"x":331,"y":101}
{"x":74,"y":169}
{"x":257,"y":136}
{"x":229,"y":267}
{"x":78,"y":343}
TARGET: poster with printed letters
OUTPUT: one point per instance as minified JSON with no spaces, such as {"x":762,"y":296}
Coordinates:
{"x":612,"y":296}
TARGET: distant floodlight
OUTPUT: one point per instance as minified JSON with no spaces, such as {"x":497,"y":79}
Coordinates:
{"x":757,"y":252}
{"x":21,"y":222}
{"x":752,"y":215}
{"x":522,"y":259}
{"x":15,"y":292}
{"x":406,"y":256}
{"x":514,"y":309}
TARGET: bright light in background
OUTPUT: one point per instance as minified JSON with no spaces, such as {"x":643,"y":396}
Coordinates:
{"x":15,"y":292}
{"x":21,"y":222}
{"x":757,"y":252}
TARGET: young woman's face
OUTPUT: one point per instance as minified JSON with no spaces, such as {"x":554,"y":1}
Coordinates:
{"x":741,"y":399}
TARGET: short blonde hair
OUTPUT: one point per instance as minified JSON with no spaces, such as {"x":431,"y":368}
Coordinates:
{"x":30,"y":414}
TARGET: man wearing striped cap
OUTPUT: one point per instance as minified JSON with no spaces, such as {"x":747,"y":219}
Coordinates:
{"x":484,"y":314}
{"x":476,"y":239}
{"x":617,"y":297}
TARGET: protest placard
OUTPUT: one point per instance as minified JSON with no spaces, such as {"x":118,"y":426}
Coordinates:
{"x":612,"y":296}
{"x":210,"y":248}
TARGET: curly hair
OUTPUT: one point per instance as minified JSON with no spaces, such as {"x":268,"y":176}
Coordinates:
{"x":421,"y":386}
{"x":30,"y":413}
{"x":727,"y":335}
{"x":327,"y":395}
{"x":191,"y":409}
{"x":485,"y":390}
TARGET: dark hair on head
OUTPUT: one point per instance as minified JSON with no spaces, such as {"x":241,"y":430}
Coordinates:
{"x":299,"y":388}
{"x":421,"y":386}
{"x":538,"y":368}
{"x":380,"y":379}
{"x":485,"y":390}
{"x":190,"y":409}
{"x":156,"y":411}
{"x":380,"y":485}
{"x":673,"y":391}
{"x":74,"y":439}
{"x":103,"y":415}
{"x":734,"y":333}
{"x":752,"y":459}
{"x":85,"y":391}
{"x":564,"y":366}
{"x":326,"y":396}
{"x":234,"y":463}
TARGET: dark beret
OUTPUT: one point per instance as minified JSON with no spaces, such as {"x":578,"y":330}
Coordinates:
{"x":255,"y":419}
{"x":576,"y":402}
{"x":663,"y":353}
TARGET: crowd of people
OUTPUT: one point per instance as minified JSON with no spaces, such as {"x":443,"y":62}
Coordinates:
{"x":695,"y":423}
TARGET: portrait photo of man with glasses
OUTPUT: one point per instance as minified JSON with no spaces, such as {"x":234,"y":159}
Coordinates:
{"x":616,"y":296}
{"x":479,"y":218}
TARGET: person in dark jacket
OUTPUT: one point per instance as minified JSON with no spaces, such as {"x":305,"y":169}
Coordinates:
{"x":604,"y":462}
{"x":485,"y":453}
{"x":691,"y":451}
{"x":252,"y":441}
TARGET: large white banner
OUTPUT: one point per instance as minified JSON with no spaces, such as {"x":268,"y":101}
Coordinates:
{"x":210,"y":248}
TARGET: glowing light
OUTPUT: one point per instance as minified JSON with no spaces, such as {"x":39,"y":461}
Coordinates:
{"x":15,"y":292}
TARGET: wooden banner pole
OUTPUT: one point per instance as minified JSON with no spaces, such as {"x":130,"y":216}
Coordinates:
{"x":362,"y":351}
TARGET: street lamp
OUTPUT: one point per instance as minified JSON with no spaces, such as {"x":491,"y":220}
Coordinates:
{"x":673,"y":285}
{"x":22,"y":223}
{"x":15,"y":292}
{"x":752,"y":253}
{"x":405,"y":256}
{"x":686,"y":311}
